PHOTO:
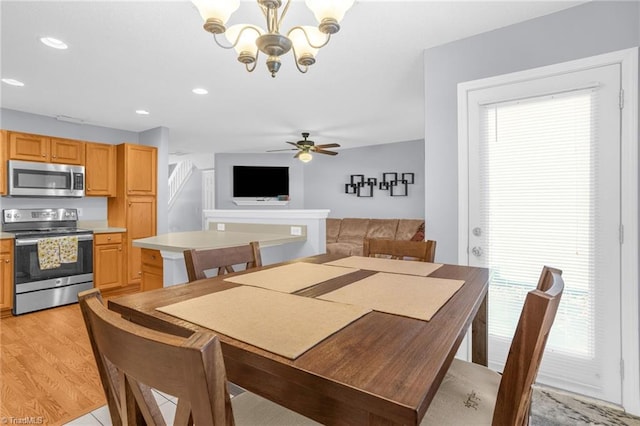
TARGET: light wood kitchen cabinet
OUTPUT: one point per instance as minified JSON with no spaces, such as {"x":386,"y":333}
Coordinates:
{"x":152,"y":270}
{"x":44,"y":149}
{"x":141,"y":164}
{"x":100,"y":169}
{"x":108,"y":261}
{"x":4,"y":145}
{"x":6,"y":273}
{"x":66,"y":151}
{"x":136,"y":213}
{"x":141,"y":223}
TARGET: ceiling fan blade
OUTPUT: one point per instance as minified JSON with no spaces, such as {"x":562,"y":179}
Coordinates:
{"x":329,"y":145}
{"x":286,"y":149}
{"x":298,"y":154}
{"x":322,"y":151}
{"x":294,"y":144}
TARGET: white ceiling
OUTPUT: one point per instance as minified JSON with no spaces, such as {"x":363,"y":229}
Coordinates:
{"x":365,"y":88}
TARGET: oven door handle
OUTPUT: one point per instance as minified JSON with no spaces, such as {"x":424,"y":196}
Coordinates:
{"x":32,"y":241}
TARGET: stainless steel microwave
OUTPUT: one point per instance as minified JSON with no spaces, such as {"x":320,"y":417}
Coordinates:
{"x":32,"y":179}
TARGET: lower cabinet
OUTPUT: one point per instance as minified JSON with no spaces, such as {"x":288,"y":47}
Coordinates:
{"x":6,"y":277}
{"x":152,"y":270}
{"x":108,"y":261}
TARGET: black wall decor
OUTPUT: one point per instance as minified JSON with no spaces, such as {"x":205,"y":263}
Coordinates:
{"x":363,"y":186}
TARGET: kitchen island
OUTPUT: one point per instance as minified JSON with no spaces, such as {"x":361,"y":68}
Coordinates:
{"x":272,"y":239}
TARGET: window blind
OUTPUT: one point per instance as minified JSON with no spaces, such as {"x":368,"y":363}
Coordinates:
{"x":538,"y":180}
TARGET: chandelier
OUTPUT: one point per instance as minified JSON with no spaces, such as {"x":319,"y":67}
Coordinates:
{"x":249,"y":40}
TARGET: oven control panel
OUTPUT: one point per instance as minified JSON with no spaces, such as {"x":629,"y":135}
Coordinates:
{"x":38,"y":215}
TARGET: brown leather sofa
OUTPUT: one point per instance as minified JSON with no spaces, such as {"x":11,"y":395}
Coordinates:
{"x":346,"y":236}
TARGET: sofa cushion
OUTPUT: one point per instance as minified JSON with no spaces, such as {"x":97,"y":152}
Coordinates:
{"x":419,"y":235}
{"x":353,"y":230}
{"x":382,"y":228}
{"x":345,"y":249}
{"x":333,"y":229}
{"x":407,"y":228}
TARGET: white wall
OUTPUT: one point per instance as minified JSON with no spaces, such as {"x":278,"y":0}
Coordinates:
{"x":578,"y":32}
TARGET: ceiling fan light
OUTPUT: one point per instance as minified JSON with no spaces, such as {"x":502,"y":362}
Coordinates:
{"x":216,"y":13}
{"x":246,"y":36}
{"x":305,"y":157}
{"x":329,"y":11}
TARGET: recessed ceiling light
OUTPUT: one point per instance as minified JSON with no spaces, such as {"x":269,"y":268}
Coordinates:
{"x":142,"y":112}
{"x":12,"y":82}
{"x":200,"y":91}
{"x":54,"y":42}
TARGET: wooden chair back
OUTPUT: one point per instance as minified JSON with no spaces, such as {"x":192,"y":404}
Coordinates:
{"x":424,"y":251}
{"x":539,"y":311}
{"x":222,"y":259}
{"x":133,"y":359}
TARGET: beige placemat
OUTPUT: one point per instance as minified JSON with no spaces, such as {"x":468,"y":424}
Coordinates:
{"x":290,"y":278}
{"x":281,"y":323}
{"x":406,"y":295}
{"x":387,"y":265}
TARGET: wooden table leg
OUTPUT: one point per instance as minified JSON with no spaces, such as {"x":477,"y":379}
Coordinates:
{"x":480,"y":334}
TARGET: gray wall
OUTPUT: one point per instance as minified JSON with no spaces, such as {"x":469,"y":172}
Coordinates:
{"x":186,"y":212}
{"x":586,"y":30}
{"x":93,"y":208}
{"x":325,"y":177}
{"x":224,"y":178}
{"x":319,"y":184}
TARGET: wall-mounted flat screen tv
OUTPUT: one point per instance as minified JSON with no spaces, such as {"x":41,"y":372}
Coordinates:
{"x":260,"y":181}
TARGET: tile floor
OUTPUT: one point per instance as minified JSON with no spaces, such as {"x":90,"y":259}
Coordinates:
{"x":166,"y":403}
{"x":101,"y":417}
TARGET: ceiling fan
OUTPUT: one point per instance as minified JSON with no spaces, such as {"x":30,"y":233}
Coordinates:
{"x":305,"y":147}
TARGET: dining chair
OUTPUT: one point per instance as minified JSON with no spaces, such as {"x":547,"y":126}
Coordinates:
{"x":475,"y":395}
{"x":222,"y":259}
{"x":424,"y":251}
{"x":133,"y":359}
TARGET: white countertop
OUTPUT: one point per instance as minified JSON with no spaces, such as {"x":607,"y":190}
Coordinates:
{"x":180,"y":241}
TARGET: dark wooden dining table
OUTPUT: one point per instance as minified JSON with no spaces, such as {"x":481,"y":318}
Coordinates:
{"x":380,"y":369}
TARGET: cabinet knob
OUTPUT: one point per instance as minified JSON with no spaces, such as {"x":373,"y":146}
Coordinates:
{"x":109,"y":238}
{"x":44,"y":155}
{"x":139,"y":272}
{"x":6,"y":261}
{"x":119,"y":249}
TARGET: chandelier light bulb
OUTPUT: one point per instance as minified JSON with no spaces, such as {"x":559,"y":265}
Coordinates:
{"x":216,"y":13}
{"x":329,"y":13}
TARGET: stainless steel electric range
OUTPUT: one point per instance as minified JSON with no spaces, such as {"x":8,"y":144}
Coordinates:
{"x":52,"y":278}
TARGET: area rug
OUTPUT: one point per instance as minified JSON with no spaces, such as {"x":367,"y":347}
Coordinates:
{"x":550,"y":407}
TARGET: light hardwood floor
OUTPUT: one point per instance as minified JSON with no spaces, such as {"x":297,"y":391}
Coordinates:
{"x":47,"y":369}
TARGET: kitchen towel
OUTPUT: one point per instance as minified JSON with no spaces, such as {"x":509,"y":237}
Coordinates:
{"x":49,"y":253}
{"x":68,"y":249}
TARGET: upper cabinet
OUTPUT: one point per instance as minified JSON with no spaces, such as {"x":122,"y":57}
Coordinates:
{"x":3,"y":162}
{"x":28,"y":147}
{"x":100,"y":169}
{"x":66,"y":151}
{"x":141,"y":168}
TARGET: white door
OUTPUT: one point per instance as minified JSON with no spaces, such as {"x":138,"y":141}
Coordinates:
{"x":544,"y":189}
